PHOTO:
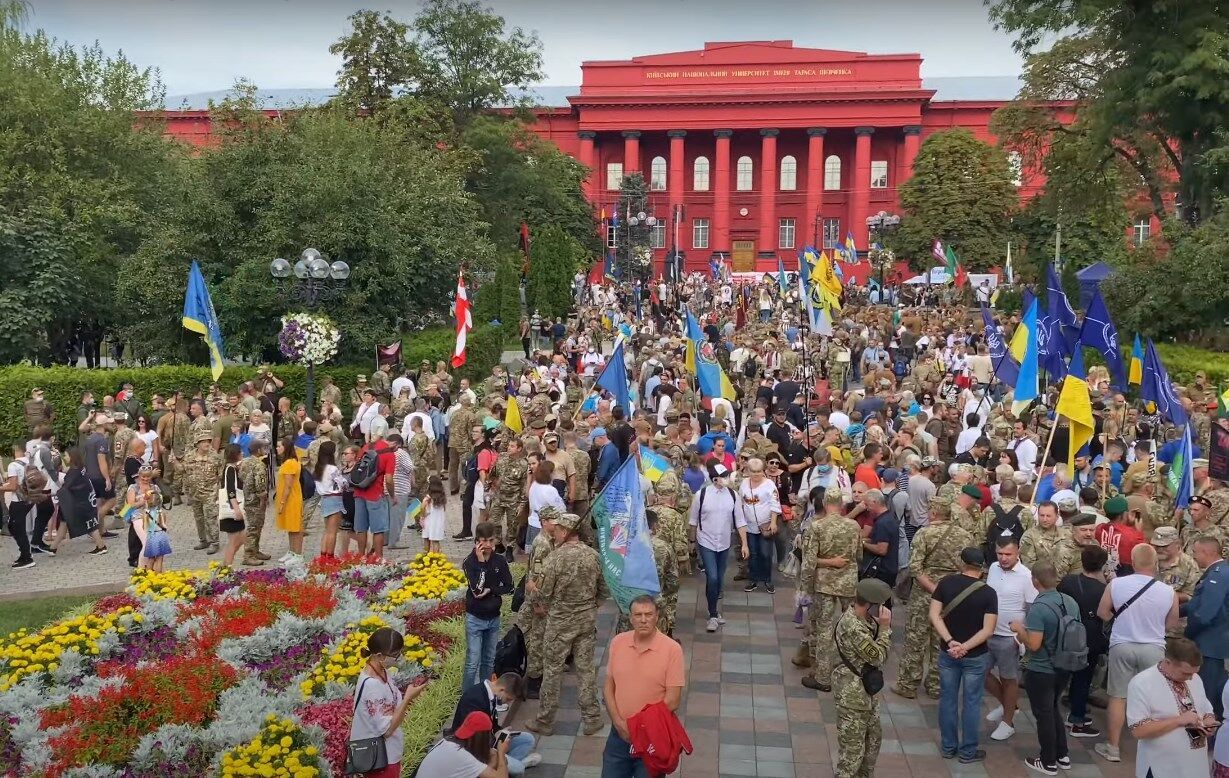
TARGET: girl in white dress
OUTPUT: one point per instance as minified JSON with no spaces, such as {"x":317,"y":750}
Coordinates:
{"x":434,"y":507}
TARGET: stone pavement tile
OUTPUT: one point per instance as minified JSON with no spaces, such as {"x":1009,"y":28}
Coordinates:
{"x":550,"y":770}
{"x":578,"y":771}
{"x":776,"y":725}
{"x":775,"y":739}
{"x":740,"y":767}
{"x":555,"y":756}
{"x":775,"y":770}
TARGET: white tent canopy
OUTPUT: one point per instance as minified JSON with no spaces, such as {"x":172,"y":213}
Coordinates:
{"x":938,"y":275}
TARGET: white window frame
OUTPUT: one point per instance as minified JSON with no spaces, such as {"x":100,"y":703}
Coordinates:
{"x":744,"y":178}
{"x":789,"y":173}
{"x":831,"y":233}
{"x":832,"y":173}
{"x":614,"y":176}
{"x":700,"y":170}
{"x":787,"y":233}
{"x":879,"y":174}
{"x":657,"y":174}
{"x":612,"y":236}
{"x":657,"y":235}
{"x":699,"y":233}
{"x":1143,"y":231}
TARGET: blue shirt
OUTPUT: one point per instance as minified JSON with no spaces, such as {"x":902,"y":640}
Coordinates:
{"x":705,"y":444}
{"x":1207,"y":614}
{"x":242,"y":440}
{"x":1045,"y":488}
{"x":607,"y":464}
{"x":1168,"y":451}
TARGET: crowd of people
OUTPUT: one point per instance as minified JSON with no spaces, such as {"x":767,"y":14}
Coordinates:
{"x":880,"y":465}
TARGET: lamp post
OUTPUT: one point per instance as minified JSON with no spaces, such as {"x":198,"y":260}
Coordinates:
{"x":879,"y":225}
{"x":315,"y":281}
{"x":643,"y":221}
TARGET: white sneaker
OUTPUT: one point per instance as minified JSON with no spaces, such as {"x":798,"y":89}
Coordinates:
{"x":284,"y":558}
{"x":720,"y":619}
{"x":711,"y":626}
{"x":1002,"y":731}
{"x":995,"y":715}
{"x":533,"y":760}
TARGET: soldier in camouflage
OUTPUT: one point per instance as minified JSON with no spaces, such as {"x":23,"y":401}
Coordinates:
{"x":934,"y":553}
{"x":124,"y":435}
{"x":862,"y":637}
{"x":532,"y":616}
{"x":460,"y":440}
{"x":198,"y":420}
{"x":422,"y":453}
{"x":831,"y":550}
{"x":1201,"y":526}
{"x":1176,"y":568}
{"x":1041,"y":542}
{"x":511,"y":472}
{"x":173,"y":436}
{"x":580,"y":493}
{"x":1081,"y":534}
{"x":254,"y":475}
{"x":1007,"y":505}
{"x":1152,"y":509}
{"x":672,"y":527}
{"x":202,"y":468}
{"x":572,"y":588}
{"x":965,"y":513}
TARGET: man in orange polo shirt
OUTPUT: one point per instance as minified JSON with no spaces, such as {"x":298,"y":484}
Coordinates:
{"x":644,"y":667}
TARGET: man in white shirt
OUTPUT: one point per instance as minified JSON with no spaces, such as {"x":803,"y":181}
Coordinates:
{"x":591,"y":362}
{"x":1137,"y":641}
{"x":838,"y":418}
{"x":403,"y":381}
{"x":1170,"y":715}
{"x":419,"y":413}
{"x":1026,"y":451}
{"x":1013,"y":583}
{"x":760,"y":506}
{"x":969,"y":435}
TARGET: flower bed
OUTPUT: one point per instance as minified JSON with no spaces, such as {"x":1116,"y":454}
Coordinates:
{"x":217,"y":672}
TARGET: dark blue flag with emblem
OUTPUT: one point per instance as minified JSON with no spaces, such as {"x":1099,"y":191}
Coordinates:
{"x":1006,"y":368}
{"x":1100,"y":333}
{"x":1157,"y":388}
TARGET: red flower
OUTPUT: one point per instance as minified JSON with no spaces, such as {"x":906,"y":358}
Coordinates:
{"x":334,"y":718}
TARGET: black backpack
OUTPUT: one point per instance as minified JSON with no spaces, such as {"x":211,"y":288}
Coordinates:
{"x":307,"y":483}
{"x":1070,"y":652}
{"x":900,"y":368}
{"x":1004,"y":521}
{"x":511,"y":656}
{"x":365,"y":469}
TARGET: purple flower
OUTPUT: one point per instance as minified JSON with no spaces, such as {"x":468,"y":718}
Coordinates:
{"x":280,"y":671}
{"x":10,"y":752}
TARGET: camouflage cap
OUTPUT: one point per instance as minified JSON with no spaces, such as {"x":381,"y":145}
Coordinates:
{"x":549,"y":513}
{"x":569,"y":521}
{"x":202,"y":436}
{"x":668,"y":485}
{"x":833,"y":496}
{"x":119,"y":416}
{"x":1165,"y":536}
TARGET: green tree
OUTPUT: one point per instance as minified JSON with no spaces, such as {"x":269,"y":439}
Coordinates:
{"x":378,"y":59}
{"x":470,"y":61}
{"x":961,"y":192}
{"x":1147,"y":81}
{"x":555,"y":258}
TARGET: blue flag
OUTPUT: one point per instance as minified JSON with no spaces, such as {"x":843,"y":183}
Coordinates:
{"x":781,"y":275}
{"x":614,"y":379}
{"x":608,"y":265}
{"x":624,"y":543}
{"x":200,"y":317}
{"x":1053,"y":348}
{"x":1005,"y":365}
{"x":1159,"y":389}
{"x":1100,"y":333}
{"x":1182,"y":472}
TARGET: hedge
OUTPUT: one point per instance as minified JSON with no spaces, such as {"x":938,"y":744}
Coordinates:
{"x":63,"y":386}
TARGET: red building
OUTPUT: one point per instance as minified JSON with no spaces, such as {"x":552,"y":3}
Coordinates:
{"x":759,"y":147}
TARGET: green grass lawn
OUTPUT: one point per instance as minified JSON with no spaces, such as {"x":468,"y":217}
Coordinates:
{"x":36,"y":613}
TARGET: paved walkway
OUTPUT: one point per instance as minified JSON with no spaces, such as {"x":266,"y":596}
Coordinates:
{"x":748,"y":714}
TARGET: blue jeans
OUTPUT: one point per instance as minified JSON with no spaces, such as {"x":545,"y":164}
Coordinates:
{"x":481,"y":635}
{"x":960,"y":708}
{"x":520,"y":746}
{"x":530,"y":534}
{"x":714,"y":572}
{"x":759,"y":564}
{"x":396,"y":519}
{"x":617,"y":762}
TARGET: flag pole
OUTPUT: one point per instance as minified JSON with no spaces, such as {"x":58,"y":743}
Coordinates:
{"x":1046,"y":455}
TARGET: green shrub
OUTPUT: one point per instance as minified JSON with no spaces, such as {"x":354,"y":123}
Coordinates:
{"x":63,"y":386}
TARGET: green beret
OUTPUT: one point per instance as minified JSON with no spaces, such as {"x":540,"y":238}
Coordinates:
{"x":968,"y":490}
{"x":1083,"y":520}
{"x":1116,"y":505}
{"x":873,"y":590}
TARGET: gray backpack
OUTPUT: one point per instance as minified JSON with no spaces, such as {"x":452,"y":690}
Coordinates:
{"x":1070,"y":652}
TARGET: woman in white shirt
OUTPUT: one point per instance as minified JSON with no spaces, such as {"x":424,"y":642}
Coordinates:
{"x":714,"y":515}
{"x":760,"y":507}
{"x":379,"y":706}
{"x":469,"y":752}
{"x":329,"y":488}
{"x":542,"y":493}
{"x":147,"y":433}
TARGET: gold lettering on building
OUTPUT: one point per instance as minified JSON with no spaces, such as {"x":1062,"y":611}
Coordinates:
{"x":747,"y":73}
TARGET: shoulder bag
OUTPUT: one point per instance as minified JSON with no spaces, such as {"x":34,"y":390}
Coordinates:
{"x":368,"y":754}
{"x":871,"y":676}
{"x":1108,"y":627}
{"x":959,"y":598}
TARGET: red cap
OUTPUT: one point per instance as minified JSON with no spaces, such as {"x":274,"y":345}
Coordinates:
{"x":475,"y":722}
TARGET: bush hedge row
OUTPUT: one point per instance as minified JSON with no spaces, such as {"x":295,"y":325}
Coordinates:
{"x":63,"y":386}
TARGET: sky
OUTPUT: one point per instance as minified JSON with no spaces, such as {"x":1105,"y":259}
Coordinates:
{"x":205,"y":45}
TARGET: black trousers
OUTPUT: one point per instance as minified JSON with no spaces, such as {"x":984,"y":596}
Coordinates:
{"x":134,"y":546}
{"x":1044,"y":690}
{"x":467,"y":508}
{"x":17,"y":528}
{"x":42,"y":517}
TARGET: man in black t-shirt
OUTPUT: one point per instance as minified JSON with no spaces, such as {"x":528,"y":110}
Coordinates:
{"x":1086,"y":588}
{"x":963,"y":612}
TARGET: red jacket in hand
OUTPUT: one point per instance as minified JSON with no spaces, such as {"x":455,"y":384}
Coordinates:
{"x":657,"y":738}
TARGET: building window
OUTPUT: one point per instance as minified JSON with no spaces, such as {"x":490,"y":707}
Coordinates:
{"x":1143,"y":231}
{"x":657,"y":174}
{"x":832,"y":173}
{"x":657,"y":235}
{"x":746,"y":174}
{"x":614,"y":175}
{"x":789,"y":174}
{"x":699,"y":180}
{"x":1017,"y":168}
{"x":879,"y":174}
{"x":785,"y":234}
{"x":612,"y":236}
{"x":699,"y":233}
{"x":832,"y":233}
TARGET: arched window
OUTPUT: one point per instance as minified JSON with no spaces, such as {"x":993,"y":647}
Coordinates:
{"x":657,"y":174}
{"x":832,"y":173}
{"x":789,"y":174}
{"x":699,"y":181}
{"x":746,"y":174}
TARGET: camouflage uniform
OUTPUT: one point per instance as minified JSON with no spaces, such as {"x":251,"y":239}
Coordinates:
{"x":935,"y":553}
{"x":1191,"y":533}
{"x":173,"y":435}
{"x":580,"y":499}
{"x":966,"y":519}
{"x":380,"y":382}
{"x":831,"y":589}
{"x":200,"y":483}
{"x":671,"y":523}
{"x":1068,"y":559}
{"x":531,"y":623}
{"x":1006,"y":506}
{"x":400,"y":408}
{"x":254,"y":473}
{"x":1220,"y":504}
{"x":330,"y":393}
{"x":504,"y":511}
{"x":1201,"y":430}
{"x":1039,"y":544}
{"x":1182,"y":575}
{"x":119,"y":452}
{"x":199,"y":424}
{"x":422,"y":453}
{"x":459,"y":444}
{"x":573,"y":588}
{"x":1154,"y":515}
{"x":668,"y":599}
{"x":859,"y":732}
{"x":287,"y":426}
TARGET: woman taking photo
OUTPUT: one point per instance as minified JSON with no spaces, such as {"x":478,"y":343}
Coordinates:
{"x":469,"y":751}
{"x":329,"y":488}
{"x":230,"y":504}
{"x":289,"y":499}
{"x":379,"y":706}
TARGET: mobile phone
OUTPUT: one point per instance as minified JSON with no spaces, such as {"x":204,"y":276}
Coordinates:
{"x":502,"y":736}
{"x":873,"y":611}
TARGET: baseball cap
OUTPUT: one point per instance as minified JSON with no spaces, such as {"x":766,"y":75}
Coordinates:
{"x":475,"y":722}
{"x":1164,"y":536}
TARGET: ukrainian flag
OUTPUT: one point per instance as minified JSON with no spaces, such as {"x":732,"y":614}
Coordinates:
{"x":200,"y":317}
{"x":851,"y":249}
{"x":1135,"y":373}
{"x":712,"y":380}
{"x":512,"y":416}
{"x":652,"y":464}
{"x":1075,"y":404}
{"x":1026,"y":384}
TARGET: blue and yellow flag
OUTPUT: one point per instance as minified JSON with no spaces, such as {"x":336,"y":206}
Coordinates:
{"x":1075,"y":403}
{"x":1019,"y":338}
{"x":512,"y":416}
{"x":851,"y":249}
{"x":200,"y":317}
{"x":652,"y":464}
{"x":1026,"y":383}
{"x":624,"y":543}
{"x":1135,"y":373}
{"x":711,"y":379}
